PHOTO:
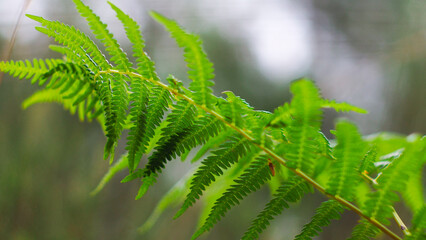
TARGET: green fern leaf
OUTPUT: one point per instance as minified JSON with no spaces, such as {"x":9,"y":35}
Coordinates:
{"x":211,"y":144}
{"x":413,"y":194}
{"x":179,"y":124}
{"x":34,"y":71}
{"x":234,"y":109}
{"x":146,"y":183}
{"x":348,"y":152}
{"x":172,"y":198}
{"x":101,"y":32}
{"x":324,"y":214}
{"x":82,"y":47}
{"x":201,"y":69}
{"x":114,"y":169}
{"x":302,"y":133}
{"x":419,"y":225}
{"x":364,"y":231}
{"x":394,"y":178}
{"x":255,"y":176}
{"x":290,"y":191}
{"x":227,"y":154}
{"x":367,"y":163}
{"x":146,"y":66}
{"x":119,"y":98}
{"x":341,"y":106}
{"x":165,"y":152}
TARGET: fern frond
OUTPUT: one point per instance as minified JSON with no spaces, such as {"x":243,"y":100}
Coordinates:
{"x":146,"y":113}
{"x":348,"y":152}
{"x":290,"y":191}
{"x":201,"y":69}
{"x":114,"y":169}
{"x":115,"y":113}
{"x":118,"y":56}
{"x":138,"y":115}
{"x":302,"y":133}
{"x":324,"y":214}
{"x":367,"y":163}
{"x":252,"y":179}
{"x":364,"y":231}
{"x":214,"y":165}
{"x":165,"y":152}
{"x":119,"y":96}
{"x":419,"y":225}
{"x":82,"y":47}
{"x":52,"y":95}
{"x":146,"y":66}
{"x":341,"y":106}
{"x":25,"y":69}
{"x":394,"y":178}
{"x":211,"y":144}
{"x":172,"y":198}
{"x":179,"y":124}
{"x":413,"y":194}
{"x":234,"y":109}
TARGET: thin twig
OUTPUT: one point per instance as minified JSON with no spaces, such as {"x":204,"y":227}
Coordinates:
{"x":396,"y":217}
{"x":8,"y":50}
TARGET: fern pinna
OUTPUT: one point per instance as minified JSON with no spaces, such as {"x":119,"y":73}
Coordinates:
{"x":240,"y":149}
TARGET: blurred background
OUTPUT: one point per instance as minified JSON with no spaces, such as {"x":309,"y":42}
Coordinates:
{"x":369,"y":53}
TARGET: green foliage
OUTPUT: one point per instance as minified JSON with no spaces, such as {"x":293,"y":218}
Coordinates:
{"x":241,"y":149}
{"x":328,"y":210}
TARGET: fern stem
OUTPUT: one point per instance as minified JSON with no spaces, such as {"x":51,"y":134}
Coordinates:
{"x":395,"y":215}
{"x":268,"y":151}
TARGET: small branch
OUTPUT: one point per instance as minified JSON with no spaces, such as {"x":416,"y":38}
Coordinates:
{"x":396,"y":217}
{"x":268,"y":151}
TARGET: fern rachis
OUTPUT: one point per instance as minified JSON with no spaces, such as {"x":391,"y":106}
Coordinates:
{"x":172,"y":120}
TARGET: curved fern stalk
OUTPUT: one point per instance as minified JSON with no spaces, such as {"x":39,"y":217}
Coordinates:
{"x":201,"y":69}
{"x":267,"y":150}
{"x":290,"y":191}
{"x":255,"y":176}
{"x":348,"y":153}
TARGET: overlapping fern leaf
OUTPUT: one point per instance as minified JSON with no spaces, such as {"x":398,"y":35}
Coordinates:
{"x":201,"y":69}
{"x":239,"y":148}
{"x":289,"y":192}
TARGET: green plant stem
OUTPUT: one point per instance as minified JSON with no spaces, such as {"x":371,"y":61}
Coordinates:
{"x":268,"y":151}
{"x":395,"y":215}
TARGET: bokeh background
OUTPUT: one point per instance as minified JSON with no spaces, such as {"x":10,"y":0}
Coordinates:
{"x":369,"y":53}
